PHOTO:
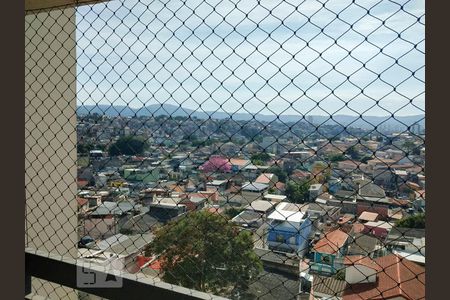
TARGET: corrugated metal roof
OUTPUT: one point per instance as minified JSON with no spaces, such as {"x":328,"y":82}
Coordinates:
{"x":328,"y":286}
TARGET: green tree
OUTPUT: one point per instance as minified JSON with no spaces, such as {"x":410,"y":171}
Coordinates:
{"x":206,"y":252}
{"x":84,"y":148}
{"x":411,"y":148}
{"x":128,"y":145}
{"x":260,"y":158}
{"x":321,"y":172}
{"x":297,"y":192}
{"x":365,"y":159}
{"x":353,"y":153}
{"x":336,"y":157}
{"x":257,"y":162}
{"x":415,"y":221}
{"x":233,"y":212}
{"x":279,"y":172}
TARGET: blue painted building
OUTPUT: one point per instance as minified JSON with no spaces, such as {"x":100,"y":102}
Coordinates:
{"x":289,"y":229}
{"x":334,"y":185}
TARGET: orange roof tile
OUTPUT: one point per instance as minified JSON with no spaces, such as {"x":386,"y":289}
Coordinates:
{"x":358,"y":227}
{"x":82,"y":182}
{"x":265,"y":178}
{"x":81,"y":201}
{"x":398,"y":277}
{"x":331,"y":242}
{"x":176,"y":188}
{"x":362,"y":260}
{"x":399,"y":202}
{"x":368,"y":216}
{"x":280,"y":186}
{"x":300,"y":174}
{"x":239,"y":161}
{"x":214,"y":210}
{"x":156,"y":265}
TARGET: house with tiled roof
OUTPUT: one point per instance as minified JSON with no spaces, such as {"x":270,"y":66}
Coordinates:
{"x":367,"y":216}
{"x":289,"y":228}
{"x":238,"y":164}
{"x":254,"y":190}
{"x":403,"y":203}
{"x":360,"y":269}
{"x":378,"y":229}
{"x":267,"y":178}
{"x":386,"y":277}
{"x":300,"y":175}
{"x":81,"y":183}
{"x":329,"y":251}
{"x":407,"y":242}
{"x":347,"y":165}
{"x":280,"y":187}
{"x":82,"y":204}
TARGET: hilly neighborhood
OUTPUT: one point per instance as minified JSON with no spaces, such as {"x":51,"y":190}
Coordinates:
{"x":329,"y":214}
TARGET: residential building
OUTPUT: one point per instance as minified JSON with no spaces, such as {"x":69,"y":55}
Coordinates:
{"x":314,"y":191}
{"x":238,"y":164}
{"x":323,"y":213}
{"x":262,"y":206}
{"x":119,"y":251}
{"x":267,"y":178}
{"x":379,"y":229}
{"x":329,"y":251}
{"x":289,"y":229}
{"x":104,"y":220}
{"x":249,"y":219}
{"x":407,"y":242}
{"x":366,"y":216}
{"x":363,"y":244}
{"x":145,"y":175}
{"x":275,"y":197}
{"x":388,"y":277}
{"x":217,"y":185}
{"x":253,"y":190}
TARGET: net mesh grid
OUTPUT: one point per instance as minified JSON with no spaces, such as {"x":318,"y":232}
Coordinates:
{"x":246,"y":110}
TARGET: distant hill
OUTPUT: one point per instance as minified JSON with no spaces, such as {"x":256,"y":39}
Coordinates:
{"x":366,"y":122}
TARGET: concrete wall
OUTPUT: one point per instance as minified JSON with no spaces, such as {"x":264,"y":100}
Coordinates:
{"x":50,"y":138}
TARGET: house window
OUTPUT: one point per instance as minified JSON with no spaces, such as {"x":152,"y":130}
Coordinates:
{"x":326,"y":259}
{"x":280,"y":238}
{"x":292,"y":240}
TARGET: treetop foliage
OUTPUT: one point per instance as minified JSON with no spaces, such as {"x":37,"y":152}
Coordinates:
{"x":206,"y":252}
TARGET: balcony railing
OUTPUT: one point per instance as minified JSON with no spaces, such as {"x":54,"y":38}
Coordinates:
{"x":63,"y":271}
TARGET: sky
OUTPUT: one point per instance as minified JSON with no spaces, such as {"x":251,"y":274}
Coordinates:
{"x":269,"y":56}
